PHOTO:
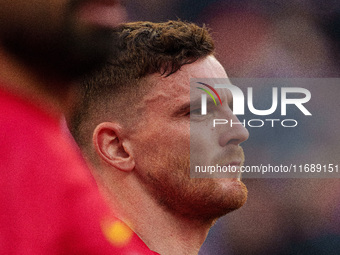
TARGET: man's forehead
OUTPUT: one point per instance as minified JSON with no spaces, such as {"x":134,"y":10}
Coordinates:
{"x":176,"y":87}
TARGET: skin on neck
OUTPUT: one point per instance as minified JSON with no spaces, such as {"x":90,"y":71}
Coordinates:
{"x":161,"y":230}
{"x":21,"y":79}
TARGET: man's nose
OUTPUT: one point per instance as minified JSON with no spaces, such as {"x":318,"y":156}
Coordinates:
{"x":233,"y":133}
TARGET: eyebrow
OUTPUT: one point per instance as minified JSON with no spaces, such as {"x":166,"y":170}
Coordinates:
{"x":184,"y":108}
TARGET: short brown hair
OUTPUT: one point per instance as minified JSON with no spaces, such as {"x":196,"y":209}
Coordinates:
{"x":144,"y":48}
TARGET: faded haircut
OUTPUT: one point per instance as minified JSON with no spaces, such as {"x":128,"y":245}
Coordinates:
{"x":144,"y":48}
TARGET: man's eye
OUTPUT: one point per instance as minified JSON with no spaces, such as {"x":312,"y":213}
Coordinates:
{"x":195,"y":112}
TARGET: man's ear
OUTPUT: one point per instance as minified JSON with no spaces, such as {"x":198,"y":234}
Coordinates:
{"x":112,"y":147}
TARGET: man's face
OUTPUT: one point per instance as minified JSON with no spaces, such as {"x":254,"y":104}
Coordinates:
{"x":64,"y":38}
{"x":162,"y":151}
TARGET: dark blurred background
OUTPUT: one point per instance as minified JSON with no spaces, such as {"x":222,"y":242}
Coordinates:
{"x":274,"y":39}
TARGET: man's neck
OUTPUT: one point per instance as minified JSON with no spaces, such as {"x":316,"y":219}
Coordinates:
{"x":161,"y":230}
{"x":22,"y":80}
{"x":166,"y":233}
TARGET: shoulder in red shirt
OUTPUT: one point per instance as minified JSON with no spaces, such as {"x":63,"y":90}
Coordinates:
{"x":49,"y":203}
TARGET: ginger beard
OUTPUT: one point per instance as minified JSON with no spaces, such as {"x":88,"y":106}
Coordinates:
{"x":168,"y":182}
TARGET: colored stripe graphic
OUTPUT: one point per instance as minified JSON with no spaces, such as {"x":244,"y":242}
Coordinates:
{"x":218,"y":96}
{"x":208,"y":94}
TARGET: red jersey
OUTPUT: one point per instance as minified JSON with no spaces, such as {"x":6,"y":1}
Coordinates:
{"x":49,"y":204}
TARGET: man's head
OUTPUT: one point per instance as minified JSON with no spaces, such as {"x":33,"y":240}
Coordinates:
{"x":134,"y":120}
{"x":59,"y":38}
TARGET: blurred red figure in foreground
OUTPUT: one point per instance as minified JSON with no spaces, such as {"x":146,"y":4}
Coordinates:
{"x":49,"y":204}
